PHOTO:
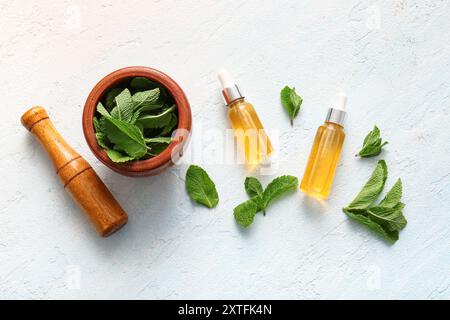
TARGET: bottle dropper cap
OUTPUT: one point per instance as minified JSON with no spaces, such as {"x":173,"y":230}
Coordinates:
{"x":230,"y":89}
{"x":341,"y":101}
{"x":225,"y":79}
{"x":336,"y":114}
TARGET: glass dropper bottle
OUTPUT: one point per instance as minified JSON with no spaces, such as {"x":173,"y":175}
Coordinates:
{"x":248,"y":129}
{"x":325,"y":152}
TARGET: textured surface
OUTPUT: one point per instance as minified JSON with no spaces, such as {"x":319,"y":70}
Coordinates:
{"x":391,"y":57}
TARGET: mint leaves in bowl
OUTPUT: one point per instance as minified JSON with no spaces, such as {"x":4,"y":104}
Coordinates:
{"x":136,"y":120}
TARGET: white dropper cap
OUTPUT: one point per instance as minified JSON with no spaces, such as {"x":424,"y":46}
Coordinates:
{"x":341,"y":102}
{"x":230,"y":89}
{"x":226,"y":80}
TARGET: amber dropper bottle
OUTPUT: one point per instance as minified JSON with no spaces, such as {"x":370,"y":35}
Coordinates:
{"x":325,"y":152}
{"x":248,"y":130}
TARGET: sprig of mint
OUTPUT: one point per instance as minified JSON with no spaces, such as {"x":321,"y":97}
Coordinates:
{"x":200,"y":187}
{"x":291,"y":102}
{"x":372,"y":145}
{"x":372,"y":188}
{"x":135,"y":121}
{"x":244,"y":213}
{"x":386,"y":219}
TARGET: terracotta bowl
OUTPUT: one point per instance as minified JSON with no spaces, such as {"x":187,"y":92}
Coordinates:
{"x":166,"y":158}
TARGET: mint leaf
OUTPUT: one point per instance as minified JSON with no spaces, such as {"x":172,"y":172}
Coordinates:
{"x":393,"y":197}
{"x":110,"y":96}
{"x":135,"y":116}
{"x":255,"y":191}
{"x":101,"y":109}
{"x":156,"y":148}
{"x":278,"y":187}
{"x":126,"y":137}
{"x":102,"y":140}
{"x":117,"y":156}
{"x":124,"y":106}
{"x":372,"y":145}
{"x":171,"y":125}
{"x":146,"y":100}
{"x":253,"y":187}
{"x":156,"y":121}
{"x":97,"y":125}
{"x":390,"y":236}
{"x":291,"y":102}
{"x":372,"y":188}
{"x":142,"y":83}
{"x":200,"y":187}
{"x":390,"y":218}
{"x":245,"y":213}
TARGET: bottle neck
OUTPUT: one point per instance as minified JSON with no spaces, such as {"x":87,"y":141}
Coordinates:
{"x":235,"y":102}
{"x":333,"y":125}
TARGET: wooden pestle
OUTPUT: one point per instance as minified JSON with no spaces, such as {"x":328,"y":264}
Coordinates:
{"x":77,"y":176}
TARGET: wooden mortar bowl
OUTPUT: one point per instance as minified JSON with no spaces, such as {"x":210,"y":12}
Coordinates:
{"x":166,"y":158}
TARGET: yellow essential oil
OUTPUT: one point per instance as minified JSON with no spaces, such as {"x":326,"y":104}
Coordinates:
{"x":325,"y":152}
{"x":248,"y":129}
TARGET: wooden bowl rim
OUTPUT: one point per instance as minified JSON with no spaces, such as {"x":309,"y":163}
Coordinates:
{"x":137,"y":167}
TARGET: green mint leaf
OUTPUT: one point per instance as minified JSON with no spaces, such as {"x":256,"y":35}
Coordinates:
{"x":135,"y":116}
{"x":126,"y":137}
{"x":200,"y":187}
{"x":365,"y":220}
{"x":393,"y":197}
{"x":156,"y":148}
{"x":291,"y":102}
{"x":255,"y":191}
{"x":372,"y":145}
{"x":151,"y":106}
{"x":390,"y":218}
{"x":166,"y":140}
{"x":117,"y":156}
{"x":372,"y":188}
{"x":171,"y":125}
{"x":253,"y":187}
{"x":386,"y":219}
{"x":245,"y":213}
{"x":157,"y":120}
{"x":399,"y":206}
{"x":124,"y":106}
{"x":278,"y":187}
{"x":97,"y":126}
{"x":102,"y":140}
{"x":110,"y":96}
{"x":142,"y":83}
{"x":101,"y":123}
{"x":101,"y":109}
{"x":146,"y":100}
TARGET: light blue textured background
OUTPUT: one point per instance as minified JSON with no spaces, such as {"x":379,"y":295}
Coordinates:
{"x":391,"y":57}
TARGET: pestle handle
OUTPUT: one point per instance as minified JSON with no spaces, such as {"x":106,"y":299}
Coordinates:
{"x":77,"y":176}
